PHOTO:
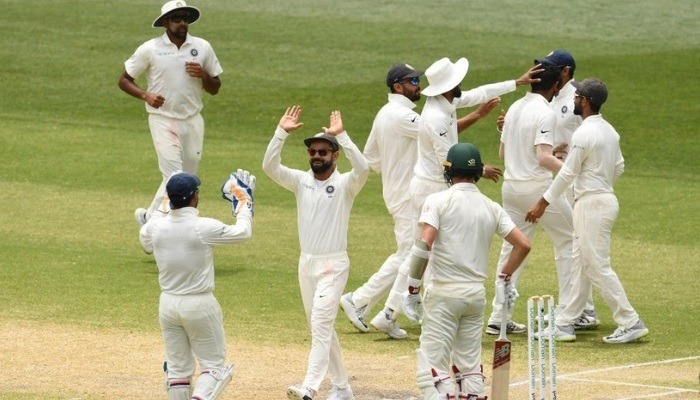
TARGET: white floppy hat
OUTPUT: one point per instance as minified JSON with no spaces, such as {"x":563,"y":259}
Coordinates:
{"x":443,"y":76}
{"x":176,"y":5}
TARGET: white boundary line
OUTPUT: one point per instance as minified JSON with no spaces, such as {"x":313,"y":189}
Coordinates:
{"x":631,"y":384}
{"x":672,"y":390}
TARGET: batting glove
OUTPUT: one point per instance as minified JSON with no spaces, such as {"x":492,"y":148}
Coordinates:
{"x":505,"y":292}
{"x":239,"y":189}
{"x":412,"y":306}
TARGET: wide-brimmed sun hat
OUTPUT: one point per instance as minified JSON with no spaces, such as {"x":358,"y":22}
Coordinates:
{"x":173,"y":6}
{"x":444,"y":75}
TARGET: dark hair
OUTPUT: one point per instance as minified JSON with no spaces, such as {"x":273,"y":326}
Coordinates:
{"x":179,"y":203}
{"x":548,"y":78}
{"x":594,"y":107}
{"x":451,"y":173}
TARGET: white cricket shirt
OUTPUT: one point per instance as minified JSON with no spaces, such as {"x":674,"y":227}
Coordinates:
{"x":164,"y":66}
{"x":323,"y":208}
{"x":182,"y":243}
{"x":567,"y":122}
{"x":437,"y":131}
{"x":594,"y":162}
{"x":466,"y":221}
{"x":391,"y":149}
{"x":529,"y":122}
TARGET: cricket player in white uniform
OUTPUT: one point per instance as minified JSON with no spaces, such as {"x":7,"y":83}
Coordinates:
{"x":458,"y":225}
{"x":526,"y":149}
{"x":593,"y":165}
{"x":324,"y":200}
{"x":567,"y":122}
{"x":177,"y":67}
{"x":190,"y":316}
{"x":391,"y":151}
{"x":438,"y":131}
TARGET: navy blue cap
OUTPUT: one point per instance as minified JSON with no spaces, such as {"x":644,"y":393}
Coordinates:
{"x":560,"y":58}
{"x":399,"y":72}
{"x":182,"y":186}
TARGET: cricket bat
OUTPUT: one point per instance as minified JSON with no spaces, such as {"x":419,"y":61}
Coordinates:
{"x":500,"y":379}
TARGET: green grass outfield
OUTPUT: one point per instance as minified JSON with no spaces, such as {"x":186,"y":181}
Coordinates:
{"x":77,"y":158}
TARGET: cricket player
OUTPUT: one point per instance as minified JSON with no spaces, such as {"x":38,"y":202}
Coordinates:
{"x":458,"y":225}
{"x":177,"y":67}
{"x":391,"y":151}
{"x":324,"y":200}
{"x":438,"y":131}
{"x":190,"y":316}
{"x":593,"y":165}
{"x":567,"y":122}
{"x":526,"y":149}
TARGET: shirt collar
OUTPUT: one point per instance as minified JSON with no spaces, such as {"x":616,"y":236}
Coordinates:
{"x":184,"y":212}
{"x":166,"y":39}
{"x":568,"y":90}
{"x":465,"y":186}
{"x":536,"y":96}
{"x":441,"y":102}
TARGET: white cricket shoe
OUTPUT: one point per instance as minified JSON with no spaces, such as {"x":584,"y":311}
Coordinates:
{"x":587,"y":320}
{"x":341,"y":394}
{"x":357,"y":318}
{"x":141,"y":216}
{"x":391,"y":328}
{"x":300,"y":393}
{"x":562,"y":333}
{"x":622,"y":335}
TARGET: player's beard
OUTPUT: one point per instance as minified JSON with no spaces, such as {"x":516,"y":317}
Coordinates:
{"x":577,"y":109}
{"x":319,"y":169}
{"x":456,"y":91}
{"x":415,"y":96}
{"x":180,"y":32}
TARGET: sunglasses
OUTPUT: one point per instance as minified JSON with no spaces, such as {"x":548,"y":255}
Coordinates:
{"x":322,"y":152}
{"x":413,"y":81}
{"x":179,"y":18}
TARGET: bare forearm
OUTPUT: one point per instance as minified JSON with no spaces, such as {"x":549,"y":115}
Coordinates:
{"x":211,"y":84}
{"x":467,"y":121}
{"x":130,"y":87}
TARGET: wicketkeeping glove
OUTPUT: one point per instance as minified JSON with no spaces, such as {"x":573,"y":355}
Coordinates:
{"x":505,"y":292}
{"x":412,"y":306}
{"x":239,"y":189}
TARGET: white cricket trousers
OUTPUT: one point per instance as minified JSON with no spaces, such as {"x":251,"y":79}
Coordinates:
{"x":557,"y":222}
{"x":178,"y":144}
{"x":322,"y":280}
{"x":380,"y":283}
{"x":451,"y":333}
{"x":192,"y":327}
{"x":594,"y":217}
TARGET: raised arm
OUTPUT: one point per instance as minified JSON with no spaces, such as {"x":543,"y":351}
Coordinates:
{"x":360,"y":168}
{"x":272,"y":162}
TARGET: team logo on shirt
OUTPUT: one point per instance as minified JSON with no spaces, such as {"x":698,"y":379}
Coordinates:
{"x":330,"y":189}
{"x":564,"y":109}
{"x":194,"y":52}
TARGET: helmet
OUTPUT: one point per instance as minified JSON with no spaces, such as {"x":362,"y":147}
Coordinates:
{"x":463,"y":159}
